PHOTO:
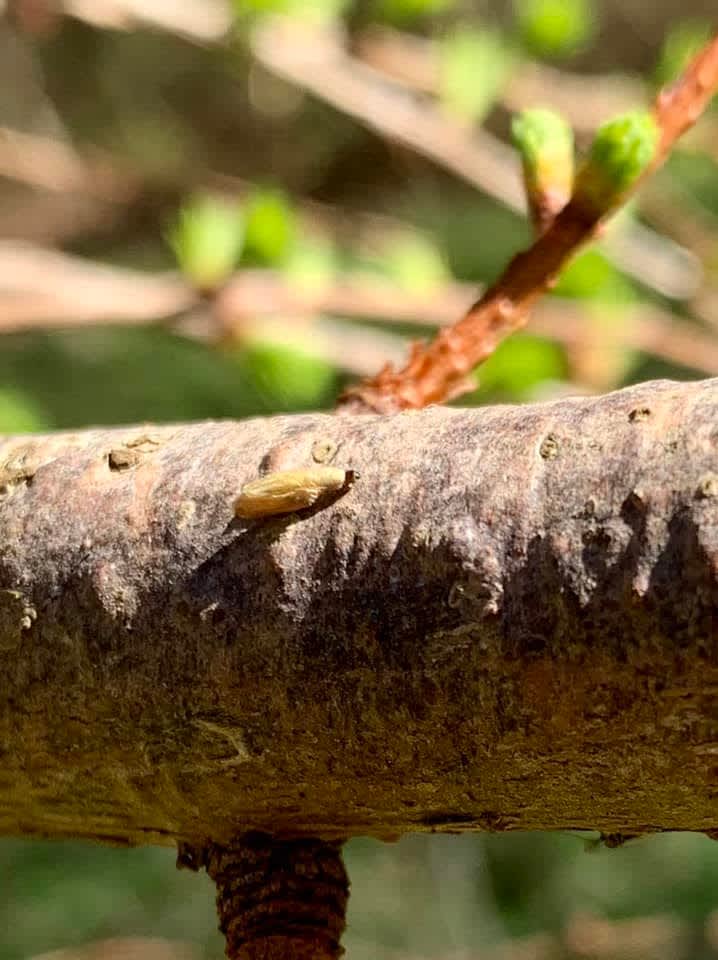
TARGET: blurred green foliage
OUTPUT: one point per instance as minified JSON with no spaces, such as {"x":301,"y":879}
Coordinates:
{"x":19,"y":412}
{"x":411,"y":261}
{"x":53,"y":379}
{"x":269,"y":229}
{"x":555,"y":28}
{"x":405,"y":12}
{"x":182,"y":117}
{"x":518,"y":367}
{"x":590,"y":276}
{"x":695,"y":170}
{"x":207,"y":240}
{"x":424,"y":896}
{"x":317,"y":10}
{"x":295,"y":380}
{"x":212,"y":236}
{"x":683,"y":39}
{"x":474,"y":66}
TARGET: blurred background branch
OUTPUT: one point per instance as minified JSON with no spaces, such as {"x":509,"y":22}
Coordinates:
{"x":48,"y":289}
{"x":586,"y":937}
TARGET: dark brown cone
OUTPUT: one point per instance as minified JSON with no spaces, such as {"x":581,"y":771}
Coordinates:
{"x":280,"y":899}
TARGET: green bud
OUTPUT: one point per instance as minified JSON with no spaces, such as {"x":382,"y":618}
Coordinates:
{"x":540,"y":132}
{"x":545,"y":142}
{"x":622,"y":149}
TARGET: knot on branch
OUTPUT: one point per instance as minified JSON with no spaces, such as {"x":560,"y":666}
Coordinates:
{"x":283,"y":899}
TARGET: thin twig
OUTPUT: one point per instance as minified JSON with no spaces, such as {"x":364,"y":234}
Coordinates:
{"x":679,"y":106}
{"x":316,"y":62}
{"x":440,"y":370}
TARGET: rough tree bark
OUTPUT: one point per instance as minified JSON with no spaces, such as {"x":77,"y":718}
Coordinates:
{"x":509,"y":621}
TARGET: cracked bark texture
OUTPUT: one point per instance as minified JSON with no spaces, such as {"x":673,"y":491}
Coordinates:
{"x":508,"y":622}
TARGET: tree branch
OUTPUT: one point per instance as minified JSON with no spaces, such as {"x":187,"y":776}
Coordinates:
{"x":507,"y":622}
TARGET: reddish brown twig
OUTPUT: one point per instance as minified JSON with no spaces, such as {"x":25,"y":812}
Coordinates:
{"x":439,"y":371}
{"x":316,"y":62}
{"x":678,"y":107}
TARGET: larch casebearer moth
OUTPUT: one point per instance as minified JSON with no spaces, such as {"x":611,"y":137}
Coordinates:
{"x":290,"y":490}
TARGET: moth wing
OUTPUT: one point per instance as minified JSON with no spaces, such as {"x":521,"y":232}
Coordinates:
{"x":280,"y":492}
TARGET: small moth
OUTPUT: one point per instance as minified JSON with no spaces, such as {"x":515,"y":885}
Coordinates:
{"x":290,"y":490}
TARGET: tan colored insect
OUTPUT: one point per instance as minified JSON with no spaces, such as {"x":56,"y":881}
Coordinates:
{"x":290,"y":490}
